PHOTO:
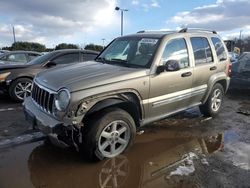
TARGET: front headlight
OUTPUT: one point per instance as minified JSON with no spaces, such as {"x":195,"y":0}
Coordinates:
{"x":62,"y":100}
{"x":3,"y":76}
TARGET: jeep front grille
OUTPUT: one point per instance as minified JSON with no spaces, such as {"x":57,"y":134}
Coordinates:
{"x":43,"y":98}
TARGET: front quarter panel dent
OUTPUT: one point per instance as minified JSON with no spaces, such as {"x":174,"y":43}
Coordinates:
{"x":85,"y":106}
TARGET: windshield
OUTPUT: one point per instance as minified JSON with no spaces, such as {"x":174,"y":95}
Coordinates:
{"x":41,"y":59}
{"x":130,"y":52}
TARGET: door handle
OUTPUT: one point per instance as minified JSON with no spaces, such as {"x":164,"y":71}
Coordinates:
{"x":213,"y":68}
{"x":186,"y":74}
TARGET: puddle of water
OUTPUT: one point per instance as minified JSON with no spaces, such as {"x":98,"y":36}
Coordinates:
{"x":160,"y":157}
{"x":145,"y":165}
{"x":14,"y":170}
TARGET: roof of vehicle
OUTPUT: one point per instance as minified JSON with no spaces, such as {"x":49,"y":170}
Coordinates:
{"x":162,"y":33}
{"x":20,"y":51}
{"x":147,"y":35}
{"x":75,"y":50}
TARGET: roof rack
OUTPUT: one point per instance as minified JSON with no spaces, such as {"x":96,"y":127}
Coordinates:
{"x":156,"y":31}
{"x":184,"y":30}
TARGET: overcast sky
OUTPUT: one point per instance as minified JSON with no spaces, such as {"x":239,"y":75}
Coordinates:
{"x":89,"y":21}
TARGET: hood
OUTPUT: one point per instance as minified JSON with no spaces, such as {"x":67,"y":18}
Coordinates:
{"x":86,"y":75}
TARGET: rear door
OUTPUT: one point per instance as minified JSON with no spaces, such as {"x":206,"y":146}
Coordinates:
{"x":205,"y":66}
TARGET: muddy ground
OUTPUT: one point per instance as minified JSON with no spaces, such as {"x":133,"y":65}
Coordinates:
{"x":186,"y":150}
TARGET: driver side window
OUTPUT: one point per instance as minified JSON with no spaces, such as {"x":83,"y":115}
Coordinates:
{"x":176,"y":49}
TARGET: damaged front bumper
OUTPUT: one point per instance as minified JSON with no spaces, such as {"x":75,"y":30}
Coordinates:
{"x":59,"y":134}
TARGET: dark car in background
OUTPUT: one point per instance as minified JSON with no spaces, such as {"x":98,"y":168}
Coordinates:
{"x":17,"y":57}
{"x":17,"y":79}
{"x":240,"y":78}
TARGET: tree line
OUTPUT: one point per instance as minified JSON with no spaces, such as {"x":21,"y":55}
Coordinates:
{"x":34,"y":46}
{"x":243,"y":44}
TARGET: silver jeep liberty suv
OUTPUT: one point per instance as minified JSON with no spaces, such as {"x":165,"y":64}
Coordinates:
{"x":137,"y":79}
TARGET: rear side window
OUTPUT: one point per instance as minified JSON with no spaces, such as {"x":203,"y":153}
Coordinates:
{"x":202,"y":50}
{"x":33,"y":56}
{"x":88,"y":56}
{"x":219,"y":48}
{"x":67,"y":58}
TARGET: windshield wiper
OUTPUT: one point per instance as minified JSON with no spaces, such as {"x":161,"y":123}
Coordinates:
{"x":124,"y":63}
{"x":119,"y":60}
{"x":101,"y":59}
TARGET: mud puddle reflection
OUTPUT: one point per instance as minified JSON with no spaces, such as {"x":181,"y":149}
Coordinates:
{"x":158,"y":159}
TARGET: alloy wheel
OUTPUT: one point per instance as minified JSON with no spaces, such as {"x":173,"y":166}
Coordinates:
{"x":23,"y":89}
{"x":216,"y":100}
{"x":114,"y":138}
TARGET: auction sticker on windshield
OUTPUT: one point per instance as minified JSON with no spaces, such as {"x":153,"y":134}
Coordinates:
{"x":149,"y":41}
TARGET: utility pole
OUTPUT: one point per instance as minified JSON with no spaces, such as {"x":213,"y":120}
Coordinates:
{"x":14,"y":35}
{"x":122,"y":10}
{"x":103,"y":43}
{"x":121,"y":23}
{"x":241,"y":41}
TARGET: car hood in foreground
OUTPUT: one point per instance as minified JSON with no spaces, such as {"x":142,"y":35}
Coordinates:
{"x":86,"y":75}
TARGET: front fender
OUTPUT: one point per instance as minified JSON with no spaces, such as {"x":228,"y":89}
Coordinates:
{"x":92,"y":104}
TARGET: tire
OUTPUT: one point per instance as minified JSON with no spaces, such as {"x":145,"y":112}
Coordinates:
{"x":20,"y":88}
{"x":110,"y":134}
{"x":214,"y":102}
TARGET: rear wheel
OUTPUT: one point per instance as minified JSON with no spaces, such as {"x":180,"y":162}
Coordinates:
{"x":20,"y":89}
{"x":214,"y":102}
{"x":109,"y":135}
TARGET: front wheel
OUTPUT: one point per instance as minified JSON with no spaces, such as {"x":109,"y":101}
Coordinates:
{"x":214,"y":102}
{"x":109,"y":135}
{"x":20,"y":89}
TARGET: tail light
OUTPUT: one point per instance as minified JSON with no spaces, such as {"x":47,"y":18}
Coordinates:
{"x":229,"y":69}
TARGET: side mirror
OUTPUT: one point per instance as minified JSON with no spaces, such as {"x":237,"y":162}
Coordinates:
{"x":160,"y":69}
{"x":50,"y":64}
{"x":172,"y":65}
